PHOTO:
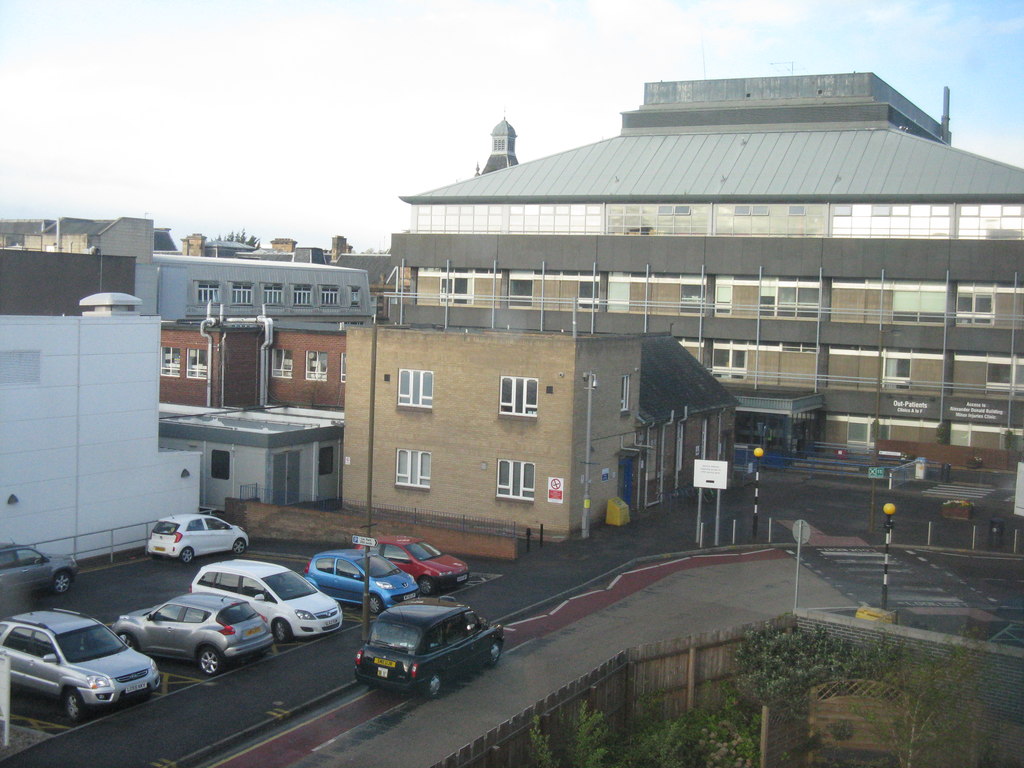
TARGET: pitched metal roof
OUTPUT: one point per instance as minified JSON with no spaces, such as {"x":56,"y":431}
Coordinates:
{"x":827,"y":165}
{"x":672,"y":380}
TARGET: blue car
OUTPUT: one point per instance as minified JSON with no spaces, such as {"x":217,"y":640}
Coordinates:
{"x":339,"y":573}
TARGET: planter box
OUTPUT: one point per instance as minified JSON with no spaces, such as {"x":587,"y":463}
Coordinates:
{"x":958,"y":511}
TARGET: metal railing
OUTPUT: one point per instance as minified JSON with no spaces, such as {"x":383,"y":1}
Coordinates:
{"x":95,"y":543}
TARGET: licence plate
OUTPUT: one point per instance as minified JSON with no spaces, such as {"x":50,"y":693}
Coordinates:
{"x":136,"y":687}
{"x":384,"y":662}
{"x":463,"y":577}
{"x":253,"y":631}
{"x":159,"y":549}
{"x":331,"y":623}
{"x":382,"y":672}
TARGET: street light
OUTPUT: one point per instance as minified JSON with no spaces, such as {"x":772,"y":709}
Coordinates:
{"x":758,"y":453}
{"x":889,"y":510}
{"x":876,"y":426}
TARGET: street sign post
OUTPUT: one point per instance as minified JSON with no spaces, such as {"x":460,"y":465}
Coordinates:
{"x":876,"y":473}
{"x":366,"y":541}
{"x":801,"y":534}
{"x":5,"y":696}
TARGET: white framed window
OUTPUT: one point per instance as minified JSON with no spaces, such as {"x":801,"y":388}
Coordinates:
{"x":416,"y":388}
{"x":456,"y":290}
{"x":207,"y":292}
{"x":196,"y":364}
{"x":624,"y":393}
{"x":170,"y":361}
{"x":518,"y":396}
{"x":281,"y":367}
{"x":516,"y":479}
{"x":587,"y":294}
{"x":316,"y":366}
{"x":354,"y":296}
{"x":273,"y":293}
{"x":412,"y":468}
{"x":728,"y":362}
{"x":329,"y":295}
{"x":344,"y":366}
{"x":302,"y":295}
{"x":975,"y":304}
{"x":241,"y":293}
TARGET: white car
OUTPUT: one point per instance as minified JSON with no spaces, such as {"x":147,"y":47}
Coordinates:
{"x":293,"y":606}
{"x":185,"y":536}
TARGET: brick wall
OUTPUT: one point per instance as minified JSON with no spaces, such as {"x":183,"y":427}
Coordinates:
{"x":180,"y":389}
{"x":299,"y":391}
{"x":334,"y":529}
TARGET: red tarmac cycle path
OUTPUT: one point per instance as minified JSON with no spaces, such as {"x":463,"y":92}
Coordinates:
{"x":306,"y":738}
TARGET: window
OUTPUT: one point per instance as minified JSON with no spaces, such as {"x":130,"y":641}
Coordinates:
{"x":728,"y":363}
{"x":329,"y":295}
{"x":455,"y":290}
{"x":273,"y":293}
{"x":354,"y":299}
{"x":325,"y":460}
{"x":344,"y":366}
{"x":412,"y":468}
{"x":241,"y":293}
{"x":857,"y":433}
{"x":416,"y":388}
{"x":624,"y":394}
{"x":316,"y":366}
{"x":520,"y":292}
{"x":302,"y":295}
{"x":587,"y":293}
{"x":974,"y":305}
{"x":281,"y":367}
{"x":690,"y":297}
{"x":518,"y":396}
{"x":196,"y":364}
{"x":220,"y":464}
{"x":207,"y":292}
{"x":515,"y":479}
{"x":170,"y":361}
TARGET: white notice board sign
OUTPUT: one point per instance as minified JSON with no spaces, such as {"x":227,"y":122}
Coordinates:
{"x":710,"y":474}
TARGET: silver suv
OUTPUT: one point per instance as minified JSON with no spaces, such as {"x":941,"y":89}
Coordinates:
{"x":210,"y":629}
{"x":76,"y":659}
{"x":25,"y":568}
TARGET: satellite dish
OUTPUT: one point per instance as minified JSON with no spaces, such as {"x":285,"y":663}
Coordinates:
{"x":801,"y":532}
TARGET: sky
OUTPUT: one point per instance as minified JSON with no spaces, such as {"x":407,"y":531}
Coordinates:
{"x":310,"y":118}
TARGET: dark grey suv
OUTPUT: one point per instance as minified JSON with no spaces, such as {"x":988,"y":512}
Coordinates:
{"x":24,"y":569}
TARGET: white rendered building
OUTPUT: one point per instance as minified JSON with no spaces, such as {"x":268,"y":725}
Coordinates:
{"x":80,"y":466}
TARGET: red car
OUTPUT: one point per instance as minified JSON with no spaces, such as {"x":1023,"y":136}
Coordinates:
{"x":432,"y":570}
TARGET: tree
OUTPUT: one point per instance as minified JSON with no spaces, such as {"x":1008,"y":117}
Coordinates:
{"x":241,"y":237}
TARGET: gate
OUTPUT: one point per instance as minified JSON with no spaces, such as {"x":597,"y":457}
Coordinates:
{"x":842,"y":713}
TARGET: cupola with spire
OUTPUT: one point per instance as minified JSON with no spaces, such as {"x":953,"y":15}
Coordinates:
{"x":503,"y":148}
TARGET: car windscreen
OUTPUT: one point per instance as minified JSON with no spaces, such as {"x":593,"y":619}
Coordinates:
{"x":288,"y":585}
{"x":423,"y":551}
{"x":165,"y":527}
{"x":388,"y":634}
{"x":236,"y":614}
{"x":87,"y":643}
{"x":380,"y":567}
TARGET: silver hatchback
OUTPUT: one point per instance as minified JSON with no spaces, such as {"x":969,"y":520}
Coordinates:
{"x":209,"y":629}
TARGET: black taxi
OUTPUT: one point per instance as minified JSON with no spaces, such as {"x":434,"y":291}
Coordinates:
{"x":421,"y":644}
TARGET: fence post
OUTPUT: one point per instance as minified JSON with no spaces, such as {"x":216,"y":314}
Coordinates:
{"x":541,"y":540}
{"x":929,"y":533}
{"x":734,"y":531}
{"x":529,"y":535}
{"x":974,"y":536}
{"x":769,"y":530}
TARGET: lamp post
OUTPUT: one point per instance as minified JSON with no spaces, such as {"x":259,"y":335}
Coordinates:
{"x":758,"y":453}
{"x":889,"y":510}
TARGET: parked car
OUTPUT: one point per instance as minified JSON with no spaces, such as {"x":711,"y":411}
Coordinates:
{"x":74,"y":658}
{"x":26,"y":568}
{"x":339,"y":573}
{"x":185,"y":536}
{"x":292,"y":606}
{"x":419,"y":645}
{"x":210,"y":629}
{"x":433,"y":570}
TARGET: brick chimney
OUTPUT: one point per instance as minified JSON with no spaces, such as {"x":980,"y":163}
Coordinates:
{"x":339,"y":247}
{"x":193,"y":245}
{"x":284,"y":244}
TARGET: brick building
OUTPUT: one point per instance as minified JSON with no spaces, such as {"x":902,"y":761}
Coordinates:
{"x":496,"y":424}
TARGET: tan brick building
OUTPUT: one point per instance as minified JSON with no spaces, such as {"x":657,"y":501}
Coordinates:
{"x":495,"y":424}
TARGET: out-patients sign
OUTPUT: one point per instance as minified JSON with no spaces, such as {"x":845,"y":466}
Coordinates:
{"x":556,"y":487}
{"x":710,"y":474}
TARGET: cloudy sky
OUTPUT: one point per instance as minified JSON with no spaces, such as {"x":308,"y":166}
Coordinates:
{"x":308,"y":118}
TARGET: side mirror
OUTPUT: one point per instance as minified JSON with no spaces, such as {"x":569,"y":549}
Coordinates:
{"x":50,"y":658}
{"x":260,"y":596}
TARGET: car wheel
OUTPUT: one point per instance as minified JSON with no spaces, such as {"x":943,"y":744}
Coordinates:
{"x":211,"y":661}
{"x":129,"y":639}
{"x":187,"y":555}
{"x":427,"y":586}
{"x":494,"y":653}
{"x":376,"y":604}
{"x":74,"y":707}
{"x":239,"y":547}
{"x":282,"y":631}
{"x":434,"y":685}
{"x":61,"y":582}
